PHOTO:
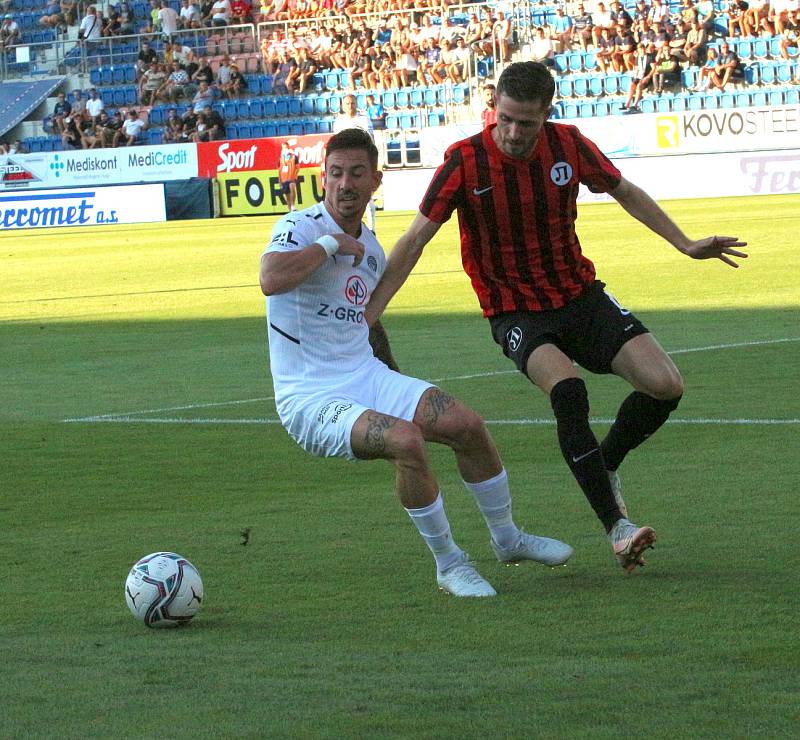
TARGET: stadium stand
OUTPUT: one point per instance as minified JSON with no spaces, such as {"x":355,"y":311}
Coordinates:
{"x":439,"y":95}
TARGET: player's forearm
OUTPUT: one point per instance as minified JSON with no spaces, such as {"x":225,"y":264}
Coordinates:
{"x":398,"y":267}
{"x":644,"y":209}
{"x":284,"y":271}
{"x":380,"y":345}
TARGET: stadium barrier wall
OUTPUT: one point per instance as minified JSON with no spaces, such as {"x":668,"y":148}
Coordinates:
{"x":666,"y":177}
{"x":188,"y":199}
{"x":98,"y":167}
{"x":87,"y":206}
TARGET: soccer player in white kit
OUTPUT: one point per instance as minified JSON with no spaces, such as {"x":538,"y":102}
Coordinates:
{"x":335,"y":397}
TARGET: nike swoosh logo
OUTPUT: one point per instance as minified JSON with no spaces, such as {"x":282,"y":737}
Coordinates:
{"x":581,"y":457}
{"x":628,"y":327}
{"x":475,"y":191}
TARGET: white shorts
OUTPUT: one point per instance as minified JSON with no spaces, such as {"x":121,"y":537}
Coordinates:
{"x":321,"y":421}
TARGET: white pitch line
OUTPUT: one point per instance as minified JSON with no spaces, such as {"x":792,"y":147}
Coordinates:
{"x":495,"y":422}
{"x":126,"y":415}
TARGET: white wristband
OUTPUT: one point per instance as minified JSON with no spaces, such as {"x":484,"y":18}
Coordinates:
{"x":329,"y":244}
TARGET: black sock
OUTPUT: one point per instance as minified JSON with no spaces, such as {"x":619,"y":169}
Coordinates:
{"x":581,"y":450}
{"x":638,"y":417}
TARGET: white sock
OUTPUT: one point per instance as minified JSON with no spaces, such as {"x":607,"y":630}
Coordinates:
{"x":431,"y":521}
{"x":494,"y":501}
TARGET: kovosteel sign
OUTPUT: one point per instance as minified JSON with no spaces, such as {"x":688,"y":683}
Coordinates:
{"x":98,"y":167}
{"x":247,"y":172}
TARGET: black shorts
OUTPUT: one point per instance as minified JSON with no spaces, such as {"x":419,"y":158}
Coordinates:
{"x":286,"y":186}
{"x":590,"y":330}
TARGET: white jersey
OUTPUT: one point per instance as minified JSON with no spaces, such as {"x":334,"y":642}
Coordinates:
{"x":341,"y":122}
{"x":317,"y":333}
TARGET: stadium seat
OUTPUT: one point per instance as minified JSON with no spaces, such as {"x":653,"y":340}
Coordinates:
{"x":601,"y":108}
{"x":596,"y":86}
{"x":570,"y":110}
{"x":270,"y":130}
{"x":742,"y":99}
{"x":331,"y":81}
{"x":758,"y":99}
{"x":321,"y":105}
{"x":433,"y":119}
{"x":118,"y":75}
{"x":157,"y":116}
{"x":281,"y":107}
{"x":265,"y":84}
{"x":245,"y":131}
{"x":767,"y":74}
{"x":580,"y":87}
{"x":783,"y":72}
{"x":575,"y":62}
{"x":792,"y":96}
{"x":695,"y":102}
{"x":663,"y":104}
{"x":775,"y":47}
{"x":268,"y":108}
{"x":430,"y":96}
{"x":296,"y":128}
{"x":94,"y":77}
{"x":647,"y":105}
{"x":586,"y":109}
{"x":776,"y":97}
{"x":710,"y":101}
{"x":335,"y":104}
{"x":589,"y":61}
{"x":325,"y":126}
{"x":388,"y":100}
{"x":760,"y":49}
{"x":401,"y":96}
{"x":310,"y":126}
{"x":561,"y":63}
{"x":416,"y":98}
{"x":726,"y":100}
{"x":295,"y":105}
{"x":392,"y":121}
{"x":257,"y":108}
{"x":361,"y":102}
{"x":611,"y":84}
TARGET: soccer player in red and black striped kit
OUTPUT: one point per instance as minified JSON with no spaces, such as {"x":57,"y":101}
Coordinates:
{"x":515,"y":187}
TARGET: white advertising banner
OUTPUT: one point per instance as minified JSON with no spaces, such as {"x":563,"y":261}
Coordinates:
{"x":664,"y":178}
{"x":126,"y":204}
{"x":98,"y":167}
{"x":648,"y":134}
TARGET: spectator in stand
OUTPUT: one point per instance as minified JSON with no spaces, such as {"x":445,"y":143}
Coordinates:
{"x":173,"y":127}
{"x":168,"y":20}
{"x":619,"y":15}
{"x":755,"y":14}
{"x":52,"y":16}
{"x":241,"y":12}
{"x":92,"y":136}
{"x":110,"y":128}
{"x":705,"y":72}
{"x":360,"y":70}
{"x":706,"y":14}
{"x":147,"y":55}
{"x":223,"y":76}
{"x":788,"y":43}
{"x":131,"y":131}
{"x":459,"y":67}
{"x":203,"y":98}
{"x":642,"y":77}
{"x":696,"y":43}
{"x":626,"y":46}
{"x":151,"y":84}
{"x":601,"y":18}
{"x":561,"y":31}
{"x":71,"y":136}
{"x":735,"y":11}
{"x":605,"y":51}
{"x":189,"y":16}
{"x":78,"y":105}
{"x":489,"y":112}
{"x":178,"y":52}
{"x":61,"y":110}
{"x":641,"y":12}
{"x":473,"y":33}
{"x":285,"y":74}
{"x":220,"y":13}
{"x":383,"y":69}
{"x":667,"y":71}
{"x":210,"y":125}
{"x":582,"y":28}
{"x":541,"y":48}
{"x":178,"y":85}
{"x":778,"y":15}
{"x":677,"y":41}
{"x":306,"y":69}
{"x":659,"y":12}
{"x":203,"y":73}
{"x":17,"y":147}
{"x":236,"y":86}
{"x":501,"y":33}
{"x":376,"y":113}
{"x":94,"y":106}
{"x":91,"y":25}
{"x":288,"y":166}
{"x":728,"y":68}
{"x":112,"y":26}
{"x":9,"y":32}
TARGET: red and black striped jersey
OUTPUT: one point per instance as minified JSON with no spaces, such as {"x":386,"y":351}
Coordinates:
{"x":517,"y":216}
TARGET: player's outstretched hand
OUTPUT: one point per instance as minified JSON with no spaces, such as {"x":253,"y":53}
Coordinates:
{"x":349,"y":245}
{"x":717,"y":247}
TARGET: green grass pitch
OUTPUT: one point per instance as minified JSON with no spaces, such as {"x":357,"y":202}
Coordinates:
{"x":136,"y":416}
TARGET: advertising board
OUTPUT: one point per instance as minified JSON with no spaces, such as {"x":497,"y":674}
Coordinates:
{"x":247,"y":172}
{"x":88,"y":206}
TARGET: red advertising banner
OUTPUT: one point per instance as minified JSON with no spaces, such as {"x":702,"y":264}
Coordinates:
{"x":247,"y":172}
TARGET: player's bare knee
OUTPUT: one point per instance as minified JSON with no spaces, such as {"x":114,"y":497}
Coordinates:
{"x":408,"y":445}
{"x":668,"y":387}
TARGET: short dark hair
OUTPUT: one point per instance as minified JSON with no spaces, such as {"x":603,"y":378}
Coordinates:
{"x":527,"y":82}
{"x":354,"y":138}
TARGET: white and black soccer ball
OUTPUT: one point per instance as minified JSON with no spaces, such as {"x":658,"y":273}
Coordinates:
{"x":164,"y":590}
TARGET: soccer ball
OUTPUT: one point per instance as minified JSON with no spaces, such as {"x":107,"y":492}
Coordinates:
{"x":164,"y":590}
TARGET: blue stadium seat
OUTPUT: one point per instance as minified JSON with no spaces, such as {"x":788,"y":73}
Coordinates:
{"x":575,"y":62}
{"x":240,"y":109}
{"x":611,"y":84}
{"x":580,"y":86}
{"x":296,"y":128}
{"x":776,"y":97}
{"x":742,"y":99}
{"x":388,"y":100}
{"x":416,"y":98}
{"x":601,"y":108}
{"x":596,"y":86}
{"x":308,"y":106}
{"x":460,"y":93}
{"x":663,"y":104}
{"x":570,"y":110}
{"x":321,"y":105}
{"x":392,"y":121}
{"x":245,"y":131}
{"x":268,"y":108}
{"x":430,"y":96}
{"x":317,"y":82}
{"x":270,"y":130}
{"x":94,"y":77}
{"x":743,"y":48}
{"x":561,"y":62}
{"x":295,"y":105}
{"x":118,"y":75}
{"x":257,"y":108}
{"x":752,"y":73}
{"x":106,"y":76}
{"x":335,"y":104}
{"x":281,"y":107}
{"x":586,"y":109}
{"x":767,"y":74}
{"x":119,"y":97}
{"x":710,"y":101}
{"x":647,"y":105}
{"x":310,"y":126}
{"x":760,"y":49}
{"x":331,"y":80}
{"x":155,"y":136}
{"x":679,"y":102}
{"x":156,"y":117}
{"x":325,"y":126}
{"x":265,"y":84}
{"x":726,"y":100}
{"x":589,"y":61}
{"x":775,"y":47}
{"x":695,"y":102}
{"x":783,"y":72}
{"x":758,"y":98}
{"x":401,"y":97}
{"x":434,"y":119}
